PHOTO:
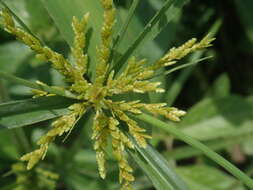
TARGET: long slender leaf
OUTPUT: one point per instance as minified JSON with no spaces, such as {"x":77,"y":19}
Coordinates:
{"x":157,"y":169}
{"x":197,"y":178}
{"x":26,"y":112}
{"x":123,"y":29}
{"x":198,"y":145}
{"x":217,"y":144}
{"x":225,"y":117}
{"x":125,"y":25}
{"x":153,"y":28}
{"x":38,"y":86}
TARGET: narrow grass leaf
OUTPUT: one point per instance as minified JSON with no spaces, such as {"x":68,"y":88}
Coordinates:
{"x":26,"y":112}
{"x":197,"y":178}
{"x":125,"y":25}
{"x":44,"y":87}
{"x":217,"y":144}
{"x":157,"y":169}
{"x":198,"y":145}
{"x":225,"y":116}
{"x":153,"y":28}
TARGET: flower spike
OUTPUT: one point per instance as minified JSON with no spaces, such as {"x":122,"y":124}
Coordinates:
{"x":106,"y":36}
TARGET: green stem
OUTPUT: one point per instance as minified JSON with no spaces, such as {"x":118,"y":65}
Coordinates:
{"x":33,"y":85}
{"x":198,"y":145}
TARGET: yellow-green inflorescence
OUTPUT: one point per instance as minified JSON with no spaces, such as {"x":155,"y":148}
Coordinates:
{"x":109,"y":114}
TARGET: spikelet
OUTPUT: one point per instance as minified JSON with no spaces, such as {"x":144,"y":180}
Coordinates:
{"x":119,"y":141}
{"x":133,"y":79}
{"x":132,"y":106}
{"x":170,"y":113}
{"x":106,"y":36}
{"x":62,"y":125}
{"x":100,"y":136}
{"x":137,"y":132}
{"x":39,"y":93}
{"x":180,"y":52}
{"x":81,"y":60}
{"x":44,"y":53}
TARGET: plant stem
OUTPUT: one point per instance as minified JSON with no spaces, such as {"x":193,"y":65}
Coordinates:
{"x":198,"y":145}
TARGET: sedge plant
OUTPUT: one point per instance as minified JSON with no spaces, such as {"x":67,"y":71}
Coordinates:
{"x":98,"y":94}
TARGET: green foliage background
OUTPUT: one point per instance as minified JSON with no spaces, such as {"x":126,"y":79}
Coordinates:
{"x":216,"y":93}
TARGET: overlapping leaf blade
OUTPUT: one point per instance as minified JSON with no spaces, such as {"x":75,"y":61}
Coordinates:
{"x":157,"y":169}
{"x":169,"y":10}
{"x":26,"y":112}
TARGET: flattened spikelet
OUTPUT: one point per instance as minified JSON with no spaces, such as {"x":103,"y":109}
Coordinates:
{"x":62,"y":125}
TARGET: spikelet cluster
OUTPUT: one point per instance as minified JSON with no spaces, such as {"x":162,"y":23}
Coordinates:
{"x":103,"y":51}
{"x":97,"y":96}
{"x":62,"y":125}
{"x":38,"y":179}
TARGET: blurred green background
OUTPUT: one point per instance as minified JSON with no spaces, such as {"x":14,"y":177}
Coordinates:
{"x":217,"y":93}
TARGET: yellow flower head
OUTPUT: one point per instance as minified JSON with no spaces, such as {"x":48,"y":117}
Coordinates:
{"x":109,"y":114}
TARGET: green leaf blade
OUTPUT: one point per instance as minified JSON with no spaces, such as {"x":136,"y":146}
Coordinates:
{"x":198,"y":145}
{"x":153,"y":28}
{"x":197,"y":179}
{"x":157,"y":169}
{"x":33,"y":85}
{"x":26,"y":112}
